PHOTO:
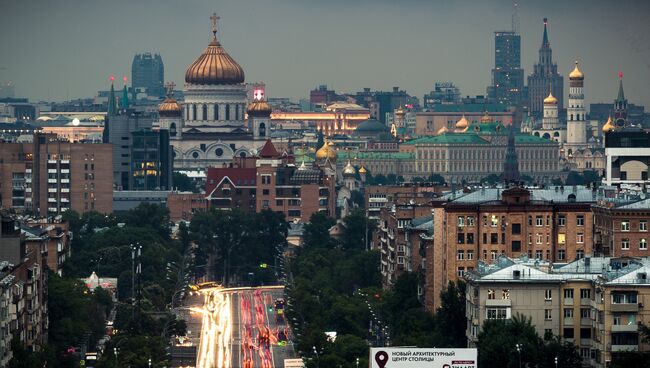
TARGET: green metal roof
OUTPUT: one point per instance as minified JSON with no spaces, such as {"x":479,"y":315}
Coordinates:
{"x":365,"y":155}
{"x":450,"y":138}
{"x":531,"y":139}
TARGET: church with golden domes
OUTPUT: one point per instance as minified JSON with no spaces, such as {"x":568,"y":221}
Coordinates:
{"x":215,"y":123}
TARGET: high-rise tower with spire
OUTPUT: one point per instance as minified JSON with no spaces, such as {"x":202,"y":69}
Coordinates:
{"x":544,"y":74}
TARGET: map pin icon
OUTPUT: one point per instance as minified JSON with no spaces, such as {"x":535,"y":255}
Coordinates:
{"x":381,"y":358}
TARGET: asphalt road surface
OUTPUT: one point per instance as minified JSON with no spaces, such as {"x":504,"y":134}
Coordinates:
{"x":240,"y":328}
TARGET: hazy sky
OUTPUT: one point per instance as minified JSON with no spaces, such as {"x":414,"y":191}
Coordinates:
{"x":60,"y":49}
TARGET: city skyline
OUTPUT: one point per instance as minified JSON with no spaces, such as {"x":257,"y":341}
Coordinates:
{"x":347,"y":48}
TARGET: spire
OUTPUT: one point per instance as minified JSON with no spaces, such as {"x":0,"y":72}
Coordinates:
{"x":511,"y":166}
{"x":125,"y":96}
{"x":621,"y":94}
{"x":545,"y":42}
{"x":112,"y":106}
{"x":214,"y":18}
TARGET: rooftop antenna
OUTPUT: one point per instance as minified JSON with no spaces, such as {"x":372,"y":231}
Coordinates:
{"x":515,"y":19}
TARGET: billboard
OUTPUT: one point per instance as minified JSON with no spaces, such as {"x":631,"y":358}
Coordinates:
{"x":399,"y":357}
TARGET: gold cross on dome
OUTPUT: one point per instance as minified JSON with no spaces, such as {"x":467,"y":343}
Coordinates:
{"x":214,"y":18}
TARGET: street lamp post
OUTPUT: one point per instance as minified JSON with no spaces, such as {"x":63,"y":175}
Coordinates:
{"x":149,"y":362}
{"x":317,"y":357}
{"x":357,"y":362}
{"x":518,"y":347}
{"x":555,"y":362}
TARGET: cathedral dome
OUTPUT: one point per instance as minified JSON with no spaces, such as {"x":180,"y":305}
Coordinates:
{"x":550,"y":100}
{"x":576,"y":74}
{"x":259,"y":108}
{"x":214,"y":66}
{"x":327,"y":152}
{"x":362,"y":170}
{"x":462,"y":123}
{"x":609,"y":126}
{"x":349,"y":169}
{"x":442,"y":130}
{"x":169,"y":108}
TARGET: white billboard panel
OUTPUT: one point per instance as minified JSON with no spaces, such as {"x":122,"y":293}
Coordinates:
{"x":396,"y":357}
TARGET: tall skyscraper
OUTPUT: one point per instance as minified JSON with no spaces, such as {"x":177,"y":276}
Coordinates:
{"x":544,"y":75}
{"x":507,"y":75}
{"x":148,"y":72}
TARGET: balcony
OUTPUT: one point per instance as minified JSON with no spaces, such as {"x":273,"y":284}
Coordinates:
{"x":51,"y":190}
{"x":498,"y":303}
{"x":616,"y":348}
{"x":65,"y":161}
{"x":52,"y":171}
{"x":51,"y":161}
{"x":65,"y":180}
{"x":52,"y":181}
{"x":65,"y":171}
{"x":65,"y":190}
{"x":568,"y":321}
{"x":585,"y":321}
{"x":629,"y":307}
{"x":65,"y":200}
{"x":52,"y":200}
{"x":52,"y":209}
{"x":625,"y":328}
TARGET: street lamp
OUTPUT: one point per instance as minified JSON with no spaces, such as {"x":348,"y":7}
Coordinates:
{"x":149,"y":362}
{"x":317,"y":357}
{"x":518,"y":347}
{"x":357,"y":362}
{"x":555,"y":362}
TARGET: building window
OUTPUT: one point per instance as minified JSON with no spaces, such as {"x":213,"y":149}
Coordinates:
{"x":643,"y":244}
{"x":539,"y":221}
{"x":538,"y":238}
{"x":580,"y":238}
{"x":530,"y":238}
{"x":279,"y":202}
{"x":461,"y":255}
{"x":505,"y":294}
{"x":461,"y":271}
{"x":470,"y":238}
{"x":493,"y":254}
{"x":625,"y":243}
{"x":496,"y":313}
{"x":568,"y":312}
{"x":561,"y":238}
{"x":470,"y":221}
{"x":643,"y":225}
{"x":585,"y":333}
{"x":538,"y":254}
{"x":568,"y":333}
{"x":266,"y":179}
{"x":495,"y":221}
{"x":530,"y":220}
{"x":584,"y":313}
{"x":516,"y":229}
{"x":461,"y":238}
{"x":580,"y":220}
{"x":461,"y":221}
{"x":624,"y":298}
{"x":484,"y":220}
{"x":561,"y":254}
{"x":548,"y":220}
{"x":625,"y":225}
{"x":516,"y":246}
{"x":548,"y":294}
{"x":580,"y":254}
{"x":561,"y":220}
{"x":568,"y":293}
{"x":470,"y":254}
{"x":548,"y":314}
{"x":491,"y":294}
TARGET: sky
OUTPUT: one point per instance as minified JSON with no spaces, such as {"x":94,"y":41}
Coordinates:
{"x":55,"y":50}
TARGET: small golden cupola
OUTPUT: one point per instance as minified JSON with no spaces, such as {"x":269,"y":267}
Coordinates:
{"x":550,"y":99}
{"x":486,"y":118}
{"x":576,"y":74}
{"x":170,"y":108}
{"x":349,"y":169}
{"x":462,"y":123}
{"x":609,"y":125}
{"x":327,"y":152}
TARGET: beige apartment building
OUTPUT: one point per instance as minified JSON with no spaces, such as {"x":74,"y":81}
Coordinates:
{"x":595,"y":303}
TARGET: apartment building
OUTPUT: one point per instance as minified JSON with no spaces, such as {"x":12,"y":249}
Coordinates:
{"x":621,"y":227}
{"x":378,"y":196}
{"x":594,"y":303}
{"x":51,"y":175}
{"x":53,"y":238}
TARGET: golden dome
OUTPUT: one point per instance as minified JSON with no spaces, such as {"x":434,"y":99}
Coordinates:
{"x":169,"y":108}
{"x":486,"y":118}
{"x":576,"y":73}
{"x":214,"y":66}
{"x":362,"y":170}
{"x":259,"y":108}
{"x":400,"y":112}
{"x":442,"y":130}
{"x":327,"y":152}
{"x":349,"y":169}
{"x":550,"y":99}
{"x":462,"y":123}
{"x":609,"y":126}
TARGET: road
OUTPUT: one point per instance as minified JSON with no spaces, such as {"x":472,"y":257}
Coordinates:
{"x":240,"y":328}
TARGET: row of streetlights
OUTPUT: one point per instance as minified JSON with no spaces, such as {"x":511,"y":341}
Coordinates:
{"x":519,"y":348}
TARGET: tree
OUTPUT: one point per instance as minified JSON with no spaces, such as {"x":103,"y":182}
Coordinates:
{"x":316,"y":233}
{"x":491,"y":179}
{"x":149,"y":215}
{"x":183,"y":183}
{"x":357,"y":198}
{"x":450,"y":317}
{"x":574,"y":178}
{"x":436,"y":179}
{"x":357,"y":230}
